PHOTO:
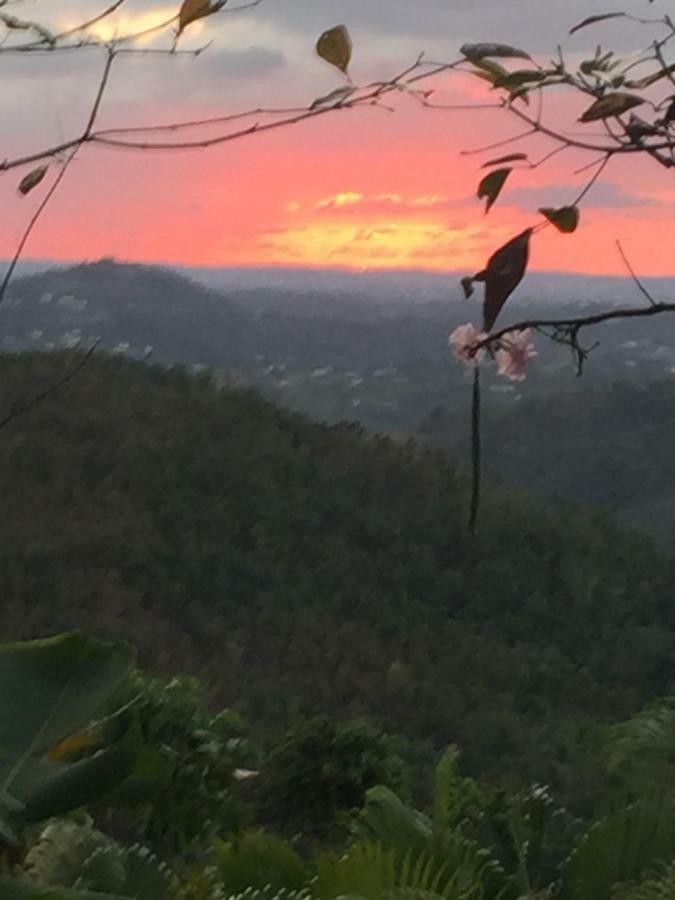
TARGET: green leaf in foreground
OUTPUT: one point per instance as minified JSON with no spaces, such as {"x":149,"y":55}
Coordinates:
{"x":50,"y":690}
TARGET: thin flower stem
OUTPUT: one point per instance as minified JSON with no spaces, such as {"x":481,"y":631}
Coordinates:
{"x":476,"y":452}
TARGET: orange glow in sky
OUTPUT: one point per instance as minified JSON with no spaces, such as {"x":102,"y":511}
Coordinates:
{"x":366,"y":189}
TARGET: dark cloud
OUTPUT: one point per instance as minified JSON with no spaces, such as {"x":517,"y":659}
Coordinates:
{"x":278,"y":32}
{"x":247,"y":63}
{"x":537,"y":25}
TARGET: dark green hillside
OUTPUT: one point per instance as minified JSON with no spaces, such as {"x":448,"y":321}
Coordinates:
{"x":609,"y":447}
{"x":299,"y":566}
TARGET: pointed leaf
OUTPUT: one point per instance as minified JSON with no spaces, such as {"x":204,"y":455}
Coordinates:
{"x":493,"y":72}
{"x":610,"y":105}
{"x":80,"y":783}
{"x":467,"y":286}
{"x":648,"y":80}
{"x":480,"y":51}
{"x":28,"y":182}
{"x":191,"y":10}
{"x":565,"y":218}
{"x":489,"y":70}
{"x":591,"y":20}
{"x":520,"y":78}
{"x":491,"y":186}
{"x":503,"y":273}
{"x":511,"y":157}
{"x":335,"y":46}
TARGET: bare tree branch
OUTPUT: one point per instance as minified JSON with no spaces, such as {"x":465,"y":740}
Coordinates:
{"x":578,"y":323}
{"x":35,"y":218}
{"x":640,"y":286}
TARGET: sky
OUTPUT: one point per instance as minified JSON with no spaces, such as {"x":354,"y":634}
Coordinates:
{"x":371,"y":188}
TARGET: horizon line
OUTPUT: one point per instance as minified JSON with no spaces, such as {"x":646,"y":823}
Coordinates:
{"x":281,"y":267}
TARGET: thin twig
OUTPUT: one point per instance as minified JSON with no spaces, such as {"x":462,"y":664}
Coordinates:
{"x":580,"y":322}
{"x":84,"y":26}
{"x":503,"y":143}
{"x":640,"y":286}
{"x":35,"y":218}
{"x":31,"y":225}
{"x":25,"y":406}
{"x":601,"y":168}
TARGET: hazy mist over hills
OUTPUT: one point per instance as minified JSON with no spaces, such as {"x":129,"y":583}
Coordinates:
{"x":372,"y":348}
{"x":411,"y":286}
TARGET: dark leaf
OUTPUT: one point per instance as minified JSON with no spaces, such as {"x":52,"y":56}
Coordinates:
{"x":191,"y":10}
{"x":28,"y":182}
{"x":489,"y":70}
{"x":467,"y":286}
{"x":610,"y":105}
{"x":520,"y":78}
{"x":335,"y":46}
{"x":480,"y":51}
{"x":591,"y":20}
{"x":491,"y":186}
{"x":637,"y":128}
{"x":503,"y":273}
{"x":648,"y":80}
{"x":512,"y":157}
{"x":565,"y":218}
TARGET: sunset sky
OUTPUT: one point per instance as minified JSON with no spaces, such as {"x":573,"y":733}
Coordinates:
{"x":363,"y":189}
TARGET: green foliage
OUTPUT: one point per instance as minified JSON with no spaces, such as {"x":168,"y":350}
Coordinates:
{"x":252,"y":547}
{"x":321,"y":769}
{"x":373,"y":872}
{"x":386,"y":819}
{"x":51,"y":689}
{"x":621,"y":847}
{"x":14,"y":889}
{"x":77,"y":856}
{"x":660,"y":886}
{"x":183,"y":790}
{"x":623,"y":468}
{"x":477,"y":842}
{"x":84,"y":862}
{"x":641,"y":751}
{"x":514,"y":844}
{"x":447,"y":841}
{"x":258,"y":860}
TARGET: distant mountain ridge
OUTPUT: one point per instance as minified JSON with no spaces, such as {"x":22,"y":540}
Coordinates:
{"x":398,"y":285}
{"x":333,"y":351}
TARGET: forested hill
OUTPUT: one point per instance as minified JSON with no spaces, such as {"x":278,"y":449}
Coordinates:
{"x":300,"y":566}
{"x":617,"y":445}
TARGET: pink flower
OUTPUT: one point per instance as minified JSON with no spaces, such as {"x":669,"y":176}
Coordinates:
{"x":514,"y":353}
{"x":463,"y":341}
